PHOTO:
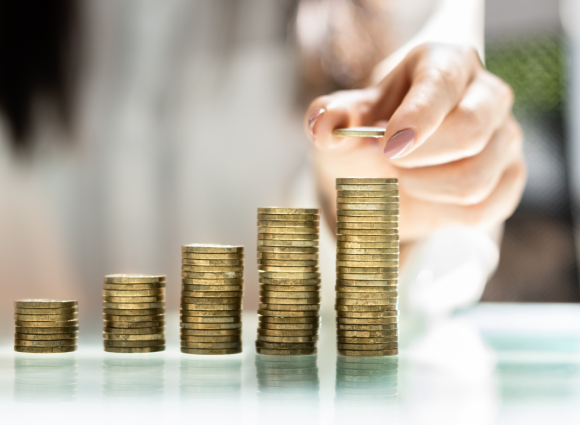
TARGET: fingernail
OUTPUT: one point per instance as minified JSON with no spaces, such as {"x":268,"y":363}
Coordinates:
{"x":312,"y":120}
{"x":399,"y":143}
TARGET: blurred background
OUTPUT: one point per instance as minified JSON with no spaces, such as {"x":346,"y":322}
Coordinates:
{"x":187,"y":116}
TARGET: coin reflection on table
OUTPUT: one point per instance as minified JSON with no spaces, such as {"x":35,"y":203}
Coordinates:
{"x":45,"y":380}
{"x":366,"y":387}
{"x":288,"y":388}
{"x":210,"y":389}
{"x":139,"y":380}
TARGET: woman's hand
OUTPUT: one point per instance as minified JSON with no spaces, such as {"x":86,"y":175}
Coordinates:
{"x":451,"y":139}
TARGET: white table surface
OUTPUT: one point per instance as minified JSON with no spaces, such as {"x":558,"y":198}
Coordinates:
{"x":492,"y":364}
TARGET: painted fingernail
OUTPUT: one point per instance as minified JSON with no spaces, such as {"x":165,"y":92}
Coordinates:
{"x":312,"y":120}
{"x":399,"y":143}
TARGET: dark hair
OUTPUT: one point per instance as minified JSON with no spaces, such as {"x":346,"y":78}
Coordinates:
{"x":36,"y":59}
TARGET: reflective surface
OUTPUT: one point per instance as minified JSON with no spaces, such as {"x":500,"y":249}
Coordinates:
{"x":493,"y":364}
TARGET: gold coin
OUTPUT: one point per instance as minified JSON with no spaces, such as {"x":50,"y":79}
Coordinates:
{"x":212,"y":249}
{"x":390,"y":296}
{"x":341,"y":245}
{"x":133,"y":286}
{"x":209,"y":352}
{"x":382,"y":290}
{"x":290,"y":217}
{"x":211,"y":339}
{"x":211,"y":307}
{"x":207,"y":289}
{"x":290,"y":230}
{"x":135,"y":349}
{"x":46,"y":337}
{"x":134,"y":279}
{"x":61,"y":343}
{"x":21,"y":349}
{"x":289,"y":320}
{"x":288,"y":263}
{"x":133,"y":312}
{"x":375,"y":132}
{"x":368,"y":314}
{"x":345,"y":327}
{"x":206,"y":256}
{"x":143,"y":318}
{"x":367,"y":270}
{"x":392,"y":333}
{"x":213,"y":263}
{"x":358,"y":341}
{"x":369,"y":353}
{"x":212,"y":319}
{"x":139,"y":300}
{"x":287,"y":313}
{"x":46,"y":311}
{"x":187,"y":314}
{"x":361,"y":308}
{"x":285,"y":346}
{"x":45,"y":303}
{"x":287,"y":236}
{"x":143,"y":337}
{"x":294,"y":327}
{"x":133,"y":344}
{"x":267,"y":256}
{"x":291,"y":211}
{"x":211,"y":332}
{"x":367,"y":321}
{"x":354,"y":217}
{"x":342,"y":212}
{"x":45,"y":318}
{"x":287,"y":332}
{"x":368,"y":238}
{"x":368,"y":264}
{"x":290,"y":282}
{"x":391,"y":233}
{"x":135,"y":331}
{"x":366,"y":180}
{"x":357,"y":347}
{"x":366,"y":302}
{"x":290,"y":307}
{"x":300,"y":352}
{"x":282,"y":224}
{"x":212,"y":326}
{"x":291,"y":275}
{"x":212,"y":269}
{"x":45,"y":331}
{"x":214,"y":294}
{"x":368,"y":283}
{"x":363,"y":200}
{"x":62,"y":324}
{"x":287,"y":250}
{"x":288,"y":339}
{"x":392,"y":207}
{"x":368,"y":187}
{"x":283,"y":269}
{"x":367,"y":251}
{"x":360,"y":258}
{"x":363,"y":228}
{"x":214,"y":300}
{"x":134,"y":306}
{"x":211,"y":276}
{"x":144,"y":293}
{"x":133,"y":325}
{"x":366,"y":276}
{"x":287,"y":243}
{"x":367,"y":193}
{"x":288,"y":294}
{"x":213,"y":282}
{"x":290,"y":301}
{"x":289,"y":288}
{"x":210,"y":345}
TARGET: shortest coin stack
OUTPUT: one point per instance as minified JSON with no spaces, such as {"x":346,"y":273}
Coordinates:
{"x":134,"y":313}
{"x":212,"y":278}
{"x":46,"y":326}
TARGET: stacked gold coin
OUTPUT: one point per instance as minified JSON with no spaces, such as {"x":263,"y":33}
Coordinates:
{"x":46,"y":326}
{"x":134,"y":313}
{"x":289,"y":281}
{"x":367,"y":265}
{"x":211,"y":299}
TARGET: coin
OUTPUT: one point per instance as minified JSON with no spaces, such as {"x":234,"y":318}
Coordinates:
{"x":211,"y":300}
{"x":134,"y":306}
{"x":135,"y":349}
{"x":211,"y":351}
{"x":365,"y":258}
{"x":287,"y":249}
{"x":344,"y":327}
{"x":46,"y":311}
{"x":290,"y":282}
{"x":341,"y":289}
{"x":299,"y":352}
{"x":288,"y":294}
{"x":385,"y":346}
{"x":289,"y":230}
{"x":292,"y":211}
{"x":212,"y":263}
{"x":45,"y":331}
{"x":210,"y":345}
{"x":291,"y":307}
{"x":290,"y":289}
{"x":368,"y":283}
{"x":290,"y":301}
{"x":288,"y":327}
{"x":46,"y":337}
{"x":267,"y":256}
{"x":289,"y":339}
{"x":279,"y":269}
{"x":376,"y":132}
{"x":133,"y":325}
{"x":212,"y":249}
{"x":344,"y":244}
{"x":212,"y":275}
{"x":392,"y":208}
{"x":365,"y":308}
{"x":368,"y":314}
{"x":213,"y":319}
{"x":208,"y":256}
{"x":62,"y":324}
{"x":367,"y":276}
{"x":22,"y":349}
{"x":357,"y":217}
{"x":44,"y":303}
{"x":390,"y":233}
{"x":144,"y":293}
{"x":211,"y":288}
{"x":280,"y":223}
{"x":366,"y":180}
{"x":289,"y":320}
{"x":210,"y":313}
{"x":369,"y":353}
{"x":367,"y":251}
{"x":287,"y":243}
{"x":134,"y":344}
{"x":211,"y":269}
{"x":133,"y":312}
{"x":367,"y":193}
{"x":133,"y":299}
{"x":368,"y":238}
{"x":142,"y":337}
{"x":144,"y":318}
{"x":367,"y":296}
{"x":213,"y":282}
{"x":289,"y":275}
{"x":367,"y":321}
{"x":133,"y":331}
{"x":45,"y":318}
{"x":290,"y":217}
{"x":285,"y":332}
{"x":357,"y":341}
{"x":211,"y":339}
{"x":369,"y":212}
{"x":287,"y":313}
{"x":288,"y":263}
{"x":61,"y":343}
{"x":211,"y":332}
{"x":285,"y":346}
{"x":357,"y":270}
{"x":208,"y":326}
{"x":133,"y":279}
{"x":366,"y":302}
{"x":364,"y":200}
{"x":210,"y":294}
{"x":211,"y":307}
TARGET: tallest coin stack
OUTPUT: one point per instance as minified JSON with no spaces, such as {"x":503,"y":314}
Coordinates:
{"x":367,"y":265}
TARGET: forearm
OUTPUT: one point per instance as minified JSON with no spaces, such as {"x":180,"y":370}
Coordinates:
{"x":453,"y":22}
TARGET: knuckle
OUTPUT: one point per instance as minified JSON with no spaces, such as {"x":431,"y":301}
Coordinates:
{"x":474,"y":130}
{"x":473,"y":186}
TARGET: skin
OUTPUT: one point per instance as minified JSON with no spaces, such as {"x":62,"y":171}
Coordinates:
{"x":465,"y":166}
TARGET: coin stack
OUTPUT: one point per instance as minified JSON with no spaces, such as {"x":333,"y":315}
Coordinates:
{"x":289,"y":281}
{"x":211,"y":299}
{"x":134,"y":313}
{"x":367,"y":264}
{"x":46,"y":326}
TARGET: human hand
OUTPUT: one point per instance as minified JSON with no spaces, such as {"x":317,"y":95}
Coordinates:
{"x":450,"y":139}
